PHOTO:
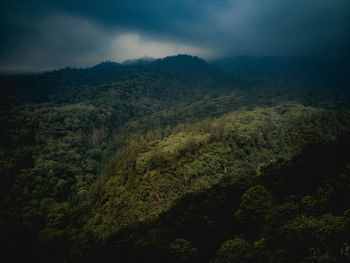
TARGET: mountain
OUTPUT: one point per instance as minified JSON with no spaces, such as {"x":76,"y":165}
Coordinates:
{"x":320,"y":73}
{"x":181,"y":63}
{"x":139,"y":62}
{"x":106,"y":65}
{"x":174,"y":160}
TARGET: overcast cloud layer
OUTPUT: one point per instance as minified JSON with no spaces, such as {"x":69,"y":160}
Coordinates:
{"x":44,"y":35}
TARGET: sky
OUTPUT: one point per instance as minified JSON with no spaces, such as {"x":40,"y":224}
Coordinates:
{"x":41,"y":35}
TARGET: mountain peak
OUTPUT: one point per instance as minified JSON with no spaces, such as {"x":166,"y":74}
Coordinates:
{"x":183,"y":64}
{"x":106,"y":65}
{"x":181,"y":58}
{"x":139,"y":61}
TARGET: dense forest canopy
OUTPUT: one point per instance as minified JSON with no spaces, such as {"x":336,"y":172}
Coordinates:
{"x":173,"y":160}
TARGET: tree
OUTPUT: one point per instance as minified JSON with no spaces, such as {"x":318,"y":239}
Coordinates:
{"x":256,"y":201}
{"x":182,"y":250}
{"x":236,"y":250}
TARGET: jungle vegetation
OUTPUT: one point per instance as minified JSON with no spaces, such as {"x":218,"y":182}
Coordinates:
{"x":172,"y":160}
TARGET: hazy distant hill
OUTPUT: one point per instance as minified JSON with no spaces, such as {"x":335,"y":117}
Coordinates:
{"x":320,"y":73}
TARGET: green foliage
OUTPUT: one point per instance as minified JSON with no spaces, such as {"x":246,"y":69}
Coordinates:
{"x":147,"y":175}
{"x":276,"y":228}
{"x":156,"y":161}
{"x":255,"y":204}
{"x":236,"y":250}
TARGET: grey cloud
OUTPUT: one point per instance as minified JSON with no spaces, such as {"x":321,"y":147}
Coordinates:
{"x":56,"y":41}
{"x":50,"y":34}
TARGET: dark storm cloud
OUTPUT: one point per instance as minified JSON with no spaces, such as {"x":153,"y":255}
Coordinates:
{"x":49,"y":34}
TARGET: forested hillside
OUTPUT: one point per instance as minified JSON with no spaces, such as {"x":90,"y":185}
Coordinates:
{"x":172,"y":160}
{"x":290,"y":211}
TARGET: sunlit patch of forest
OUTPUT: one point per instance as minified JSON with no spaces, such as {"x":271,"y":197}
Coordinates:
{"x":172,"y":161}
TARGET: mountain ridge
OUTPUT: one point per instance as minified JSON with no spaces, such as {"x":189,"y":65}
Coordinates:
{"x":310,"y":72}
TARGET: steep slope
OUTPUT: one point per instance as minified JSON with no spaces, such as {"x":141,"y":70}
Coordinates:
{"x":145,"y":178}
{"x":292,"y":211}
